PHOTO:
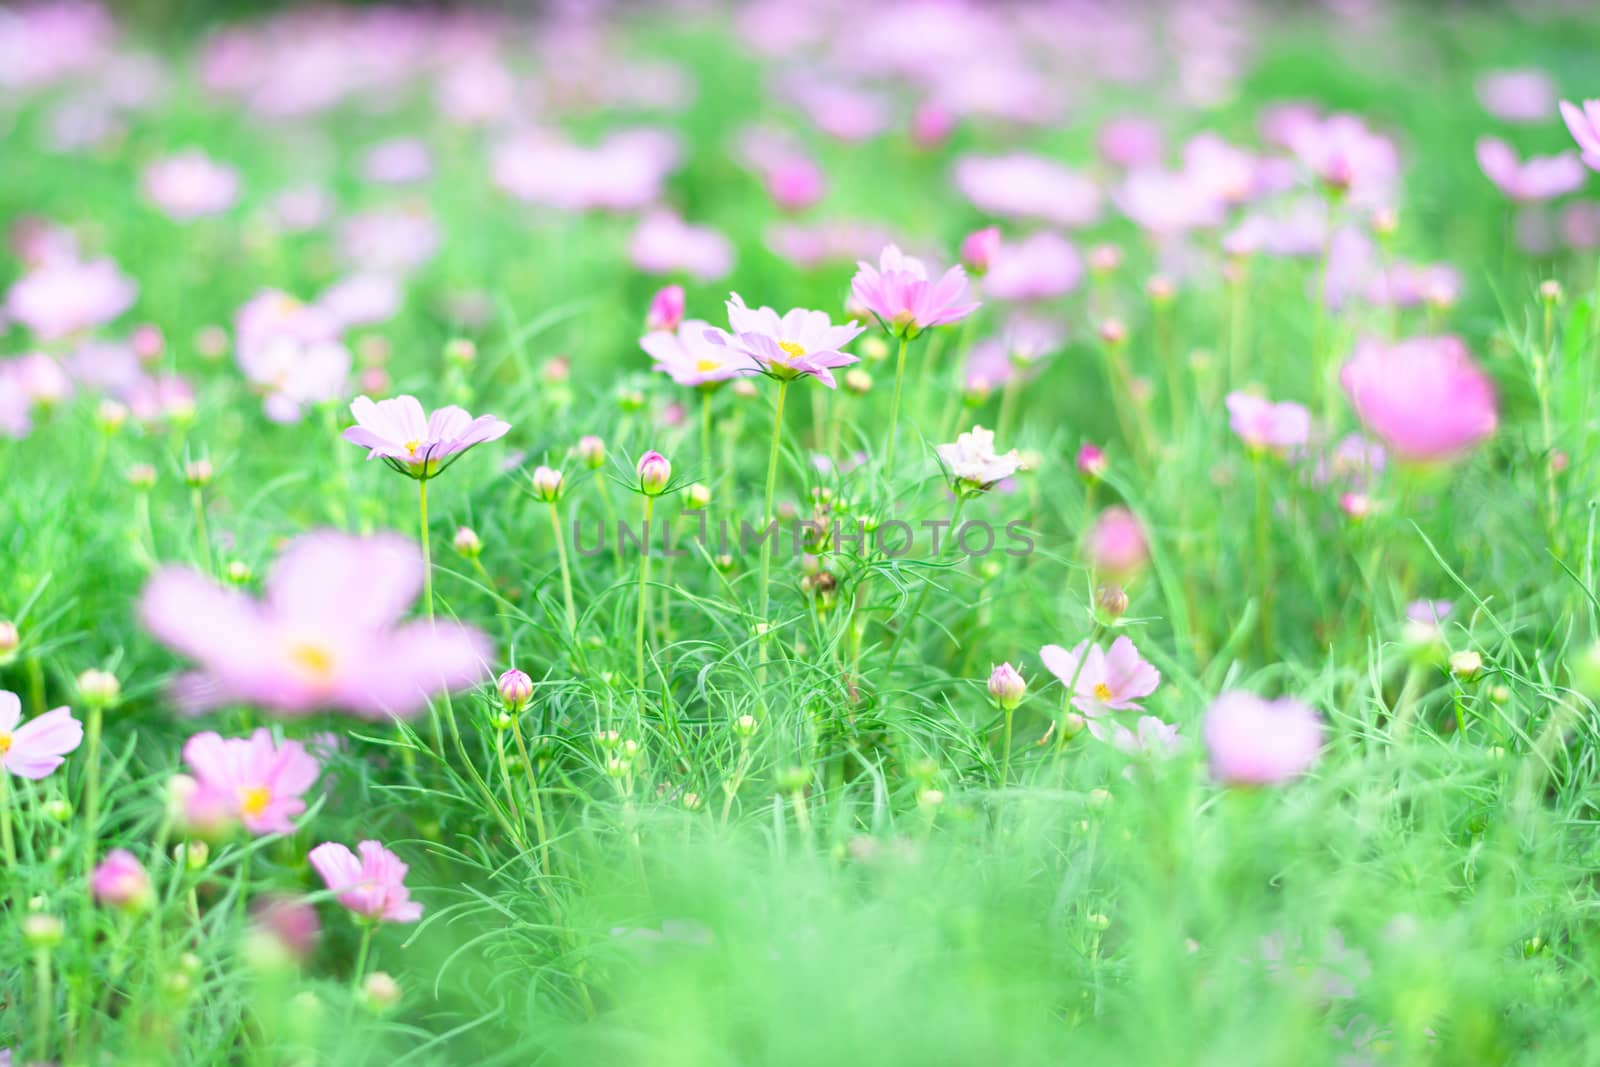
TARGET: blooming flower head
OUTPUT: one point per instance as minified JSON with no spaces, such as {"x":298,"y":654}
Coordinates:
{"x":1252,"y":741}
{"x":63,"y":296}
{"x":1116,"y":543}
{"x":1584,"y":125}
{"x":1526,"y":181}
{"x":1424,"y":397}
{"x":1517,"y":95}
{"x":693,"y":359}
{"x":1028,"y":187}
{"x":258,"y":781}
{"x":1346,"y":156}
{"x":328,"y":634}
{"x":793,"y":345}
{"x":1042,"y":266}
{"x":190,"y":185}
{"x":411,"y":441}
{"x":372,"y":886}
{"x":1150,"y":738}
{"x":973,"y":462}
{"x":120,"y":881}
{"x":899,"y":292}
{"x":1102,"y":681}
{"x":664,"y":244}
{"x":1268,"y":427}
{"x":35,"y":748}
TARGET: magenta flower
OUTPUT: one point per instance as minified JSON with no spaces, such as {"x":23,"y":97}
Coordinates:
{"x":37,"y":747}
{"x":798,"y":343}
{"x":120,"y":881}
{"x":327,"y":636}
{"x":1424,"y":397}
{"x":666,"y":309}
{"x":411,"y":441}
{"x":1114,"y":680}
{"x":978,"y":248}
{"x":692,"y":359}
{"x":190,"y":185}
{"x":372,"y":886}
{"x":1252,"y":741}
{"x":1584,"y":125}
{"x":255,"y":780}
{"x":64,"y":296}
{"x":899,"y":292}
{"x":1537,"y":178}
{"x":1267,"y":427}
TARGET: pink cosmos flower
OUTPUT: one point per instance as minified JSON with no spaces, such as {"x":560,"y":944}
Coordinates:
{"x":798,"y":343}
{"x":1130,"y":142}
{"x":1028,"y":187}
{"x":1042,"y":266}
{"x":1584,"y":125}
{"x":795,"y":182}
{"x":811,"y":246}
{"x":402,"y":434}
{"x":255,"y":780}
{"x":666,"y":309}
{"x":1517,"y":95}
{"x":362,"y":300}
{"x":1537,"y":178}
{"x":389,"y":240}
{"x":328,"y":635}
{"x":1102,"y":681}
{"x":1167,"y":203}
{"x":692,"y":358}
{"x":372,"y":886}
{"x":1150,"y":738}
{"x":665,"y":244}
{"x":291,"y":352}
{"x":978,"y":248}
{"x":1346,"y":155}
{"x":1116,"y":543}
{"x":190,"y":185}
{"x":120,"y":881}
{"x":973,"y":462}
{"x":1252,"y":741}
{"x":623,"y":173}
{"x":1265,"y":426}
{"x":64,"y":296}
{"x":37,"y":747}
{"x":400,"y":161}
{"x":1424,"y":397}
{"x":899,"y":292}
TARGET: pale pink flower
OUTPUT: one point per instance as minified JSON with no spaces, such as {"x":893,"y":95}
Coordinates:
{"x":1517,"y":95}
{"x":65,"y":296}
{"x":1424,"y":397}
{"x":1584,"y":125}
{"x":328,"y":635}
{"x":797,"y":343}
{"x":1116,"y":542}
{"x":973,"y":463}
{"x":665,"y":244}
{"x":1151,"y":738}
{"x":1130,"y":142}
{"x":904,"y":299}
{"x":372,"y":886}
{"x":1346,"y":155}
{"x":256,"y":780}
{"x":399,"y":161}
{"x":692,"y":358}
{"x":1042,"y":266}
{"x":1252,"y":741}
{"x":1028,"y":187}
{"x":402,"y":434}
{"x":1531,"y":180}
{"x":1265,"y":426}
{"x":1167,"y":203}
{"x":190,"y":185}
{"x":120,"y":881}
{"x":625,"y":172}
{"x":389,"y":240}
{"x":35,"y":748}
{"x":362,"y":300}
{"x":1102,"y":681}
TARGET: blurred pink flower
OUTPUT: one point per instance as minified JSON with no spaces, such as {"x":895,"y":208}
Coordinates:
{"x":979,"y":247}
{"x":665,"y":244}
{"x":1131,"y":142}
{"x":1042,"y":266}
{"x":1167,"y":203}
{"x":327,"y":636}
{"x":64,"y":296}
{"x":1252,"y":741}
{"x":372,"y":886}
{"x":1265,"y":426}
{"x":1534,"y":179}
{"x":625,"y":172}
{"x":973,"y":463}
{"x":1580,"y":225}
{"x":190,"y":185}
{"x":290,"y":351}
{"x":798,"y":343}
{"x":120,"y":881}
{"x":666,"y":309}
{"x":1116,"y":543}
{"x":931,"y":124}
{"x":34,"y":748}
{"x":1344,"y":154}
{"x":1424,"y":397}
{"x":811,"y":246}
{"x":904,"y":299}
{"x":795,"y":183}
{"x":362,"y":300}
{"x":256,"y":780}
{"x":1222,"y":171}
{"x":1517,"y":95}
{"x":411,"y":441}
{"x":1584,"y":125}
{"x":692,"y":359}
{"x":399,"y":161}
{"x":1102,"y":681}
{"x":389,"y":240}
{"x":1028,"y":187}
{"x":1151,"y":738}
{"x":291,"y":923}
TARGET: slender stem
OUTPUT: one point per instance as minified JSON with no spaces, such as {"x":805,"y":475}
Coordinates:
{"x":1541,"y":386}
{"x":894,"y":406}
{"x":922,"y":597}
{"x":1005,"y":747}
{"x":427,"y":554}
{"x":644,"y":592}
{"x":539,"y":826}
{"x":1321,"y":394}
{"x":360,"y":971}
{"x":1008,"y":405}
{"x":44,"y":1008}
{"x":705,"y":437}
{"x":1072,"y":685}
{"x":202,"y":538}
{"x":8,"y":843}
{"x":566,"y":569}
{"x":1263,"y":557}
{"x":91,"y":786}
{"x":766,"y":541}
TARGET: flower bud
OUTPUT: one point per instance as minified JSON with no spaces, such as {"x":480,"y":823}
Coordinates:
{"x":10,"y":639}
{"x":42,"y":932}
{"x":120,"y":881}
{"x":630,"y":400}
{"x":466,"y":543}
{"x":1385,"y":221}
{"x":516,"y":689}
{"x":57,"y":810}
{"x":1550,"y":291}
{"x":1356,"y":506}
{"x":697,"y":497}
{"x":99,"y":689}
{"x":666,"y":309}
{"x":141,"y":476}
{"x":1072,"y":725}
{"x":1091,"y":462}
{"x":1103,"y":259}
{"x":1112,"y":332}
{"x":1466,"y":665}
{"x":197,"y":473}
{"x":1111,"y":602}
{"x":460,"y":352}
{"x":654,"y":473}
{"x":591,"y":451}
{"x":745,"y":726}
{"x":978,"y":249}
{"x":211,"y":342}
{"x":1160,"y":290}
{"x":380,"y":992}
{"x":857,"y":381}
{"x":1116,"y":544}
{"x":794,"y":779}
{"x":1006,"y":686}
{"x":238,"y":572}
{"x":110,"y":416}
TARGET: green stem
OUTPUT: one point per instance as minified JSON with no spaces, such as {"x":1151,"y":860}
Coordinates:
{"x":644,"y":592}
{"x":539,"y":826}
{"x":427,"y":554}
{"x":705,"y":437}
{"x":922,"y":597}
{"x":767,"y":518}
{"x":8,"y":843}
{"x":566,"y":570}
{"x":44,"y":1008}
{"x":91,"y":787}
{"x":360,"y":970}
{"x":894,"y":406}
{"x":1005,"y":747}
{"x":202,"y":538}
{"x":1263,"y":555}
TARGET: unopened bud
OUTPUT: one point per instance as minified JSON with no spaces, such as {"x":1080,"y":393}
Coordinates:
{"x":466,"y":542}
{"x":1111,"y":601}
{"x":1006,"y":686}
{"x":745,"y":726}
{"x":380,"y":992}
{"x":857,"y":381}
{"x":141,"y":476}
{"x":548,"y":482}
{"x":460,"y":351}
{"x":99,"y":689}
{"x":42,"y":932}
{"x":516,"y":689}
{"x":697,"y":497}
{"x":591,"y":451}
{"x":1466,"y":665}
{"x":654,"y":473}
{"x":238,"y":572}
{"x":197,"y":473}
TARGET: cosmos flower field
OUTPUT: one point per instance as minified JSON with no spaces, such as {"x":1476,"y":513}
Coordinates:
{"x":799,"y":532}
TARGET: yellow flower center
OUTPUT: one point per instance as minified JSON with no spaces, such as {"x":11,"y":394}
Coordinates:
{"x":704,"y":365}
{"x":5,"y":744}
{"x":412,"y":446}
{"x":793,"y":348}
{"x":254,"y":799}
{"x":1102,"y":691}
{"x":313,"y":660}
